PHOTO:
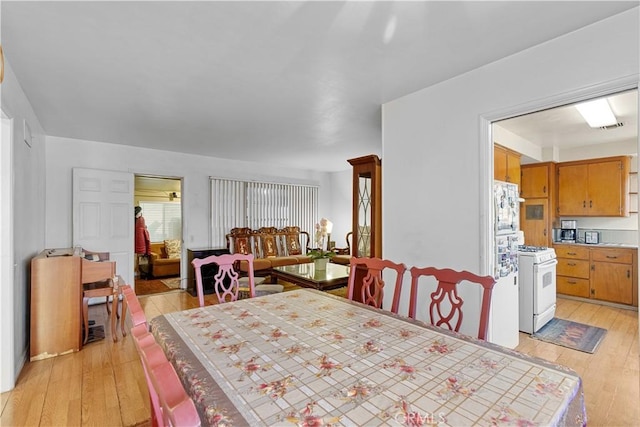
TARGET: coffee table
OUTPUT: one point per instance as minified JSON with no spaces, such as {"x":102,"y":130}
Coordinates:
{"x":306,"y":276}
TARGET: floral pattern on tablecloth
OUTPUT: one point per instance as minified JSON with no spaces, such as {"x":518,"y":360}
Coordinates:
{"x":308,"y":358}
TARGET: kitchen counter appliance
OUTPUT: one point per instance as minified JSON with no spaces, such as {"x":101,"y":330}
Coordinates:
{"x":591,"y":237}
{"x":537,"y":289}
{"x":568,"y":231}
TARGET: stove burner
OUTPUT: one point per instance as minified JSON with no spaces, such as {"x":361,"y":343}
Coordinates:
{"x":527,"y":248}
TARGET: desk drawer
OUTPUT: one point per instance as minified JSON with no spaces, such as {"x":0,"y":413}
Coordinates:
{"x":573,"y":268}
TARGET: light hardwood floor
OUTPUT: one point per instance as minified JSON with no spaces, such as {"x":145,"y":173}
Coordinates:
{"x":104,"y":384}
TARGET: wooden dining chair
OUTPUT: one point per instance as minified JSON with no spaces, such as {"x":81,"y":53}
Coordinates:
{"x":227,"y":280}
{"x":131,"y":304}
{"x":171,"y":405}
{"x":371,"y":292}
{"x":445,"y":305}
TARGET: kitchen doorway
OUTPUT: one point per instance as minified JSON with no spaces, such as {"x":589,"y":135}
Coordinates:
{"x":560,"y":134}
{"x":160,"y":202}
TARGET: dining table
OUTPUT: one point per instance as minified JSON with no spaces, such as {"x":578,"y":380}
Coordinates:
{"x":306,"y":357}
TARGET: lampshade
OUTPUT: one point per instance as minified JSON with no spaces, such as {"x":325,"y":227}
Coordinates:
{"x":329,"y":226}
{"x":597,"y":113}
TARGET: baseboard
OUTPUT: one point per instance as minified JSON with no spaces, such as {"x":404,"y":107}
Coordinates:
{"x":594,"y":301}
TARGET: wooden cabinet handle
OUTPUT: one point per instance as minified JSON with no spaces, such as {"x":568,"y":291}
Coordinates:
{"x":571,"y":253}
{"x":612,"y":256}
{"x":572,"y":264}
{"x":544,"y":233}
{"x":544,"y":189}
{"x":628,"y":274}
{"x":590,"y":203}
{"x":584,"y":203}
{"x":571,"y":282}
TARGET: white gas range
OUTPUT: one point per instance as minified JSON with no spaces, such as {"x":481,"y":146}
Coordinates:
{"x":537,"y":281}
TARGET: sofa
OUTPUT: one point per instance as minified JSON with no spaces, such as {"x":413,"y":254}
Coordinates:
{"x":164,"y":262}
{"x":270,"y":246}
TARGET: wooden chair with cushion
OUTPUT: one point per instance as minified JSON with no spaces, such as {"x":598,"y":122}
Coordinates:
{"x":227,"y":281}
{"x":445,"y":305}
{"x":372,"y":284}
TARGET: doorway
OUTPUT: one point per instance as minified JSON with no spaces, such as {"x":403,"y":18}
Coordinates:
{"x":560,"y":134}
{"x":160,"y":201}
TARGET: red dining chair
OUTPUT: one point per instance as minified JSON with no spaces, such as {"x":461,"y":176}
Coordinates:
{"x":170,"y":404}
{"x":445,"y":307}
{"x":371,"y":292}
{"x":227,"y":279}
{"x":131,"y":303}
{"x":228,"y":284}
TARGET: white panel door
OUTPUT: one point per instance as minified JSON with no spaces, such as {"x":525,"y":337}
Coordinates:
{"x":103,"y":217}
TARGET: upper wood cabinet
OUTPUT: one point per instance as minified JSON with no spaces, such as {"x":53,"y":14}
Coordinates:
{"x":535,"y":222}
{"x":594,"y":187}
{"x":506,"y":164}
{"x":537,"y":187}
{"x":534,"y":181}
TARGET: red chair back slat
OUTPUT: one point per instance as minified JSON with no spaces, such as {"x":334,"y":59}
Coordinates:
{"x":450,"y":313}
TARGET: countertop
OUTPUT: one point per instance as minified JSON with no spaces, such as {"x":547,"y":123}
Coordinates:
{"x":600,"y":245}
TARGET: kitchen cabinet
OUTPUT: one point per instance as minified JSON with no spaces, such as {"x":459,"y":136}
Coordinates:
{"x":534,"y":221}
{"x":534,"y":180}
{"x":612,"y":275}
{"x":536,"y":213}
{"x":506,"y":164}
{"x":572,"y":271}
{"x":594,"y":187}
{"x":598,"y":273}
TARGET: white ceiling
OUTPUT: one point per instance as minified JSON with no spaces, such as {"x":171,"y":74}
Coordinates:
{"x":564,"y":128}
{"x":288,"y":83}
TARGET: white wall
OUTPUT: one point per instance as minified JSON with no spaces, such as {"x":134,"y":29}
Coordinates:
{"x":436,"y":163}
{"x":28,"y":169}
{"x":341,"y":202}
{"x":63,"y":154}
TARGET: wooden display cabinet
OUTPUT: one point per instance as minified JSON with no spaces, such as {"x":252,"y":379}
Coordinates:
{"x":367,"y":207}
{"x":366,"y":213}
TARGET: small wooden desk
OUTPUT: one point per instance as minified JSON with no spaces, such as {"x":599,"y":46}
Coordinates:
{"x":56,"y":315}
{"x":305,"y":275}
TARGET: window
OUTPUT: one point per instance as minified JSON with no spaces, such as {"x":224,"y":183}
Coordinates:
{"x":260,"y":204}
{"x":163,"y":219}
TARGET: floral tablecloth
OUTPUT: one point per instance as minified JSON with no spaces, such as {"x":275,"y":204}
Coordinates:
{"x":308,"y":358}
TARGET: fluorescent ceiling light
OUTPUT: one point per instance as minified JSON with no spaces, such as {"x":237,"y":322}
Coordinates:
{"x":597,"y":113}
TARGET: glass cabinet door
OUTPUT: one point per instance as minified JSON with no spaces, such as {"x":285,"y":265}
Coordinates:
{"x":367,"y":207}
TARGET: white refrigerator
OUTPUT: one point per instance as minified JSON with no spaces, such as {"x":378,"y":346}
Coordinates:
{"x":504,"y":314}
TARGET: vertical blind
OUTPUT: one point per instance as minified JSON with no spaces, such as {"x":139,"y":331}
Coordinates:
{"x":253,"y":204}
{"x":163,"y":220}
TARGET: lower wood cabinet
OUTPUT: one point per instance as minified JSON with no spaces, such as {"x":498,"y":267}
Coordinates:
{"x":606,"y":274}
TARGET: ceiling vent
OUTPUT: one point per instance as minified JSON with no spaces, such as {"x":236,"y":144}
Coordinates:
{"x":617,"y":125}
